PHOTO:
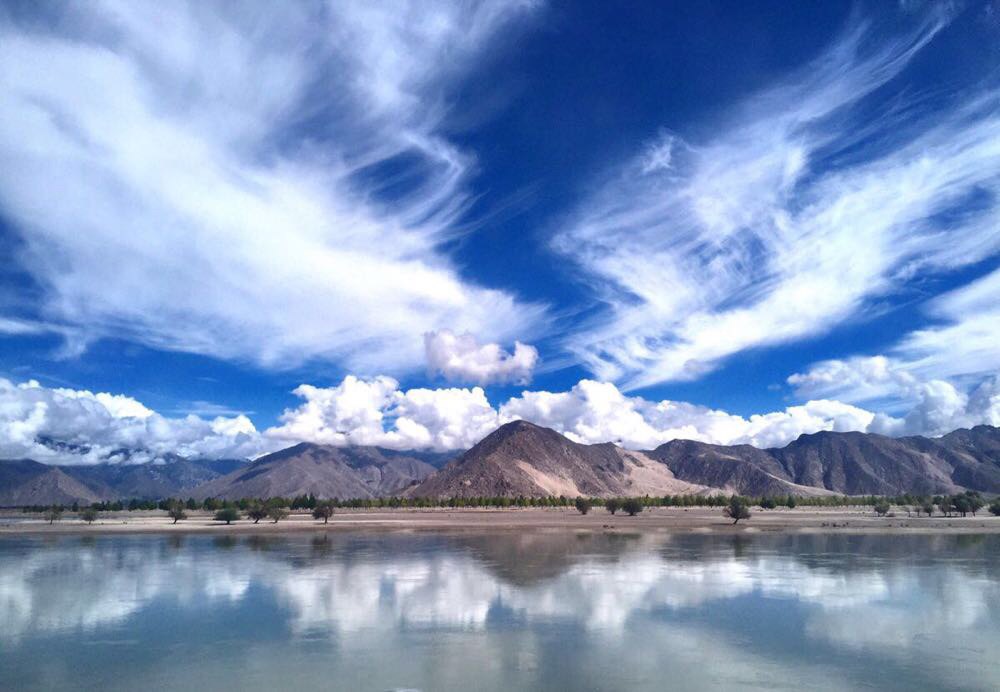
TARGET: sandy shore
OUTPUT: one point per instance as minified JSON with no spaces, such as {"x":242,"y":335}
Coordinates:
{"x":665,"y":519}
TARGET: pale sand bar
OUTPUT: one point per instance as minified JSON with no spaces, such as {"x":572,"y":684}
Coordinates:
{"x":665,"y":519}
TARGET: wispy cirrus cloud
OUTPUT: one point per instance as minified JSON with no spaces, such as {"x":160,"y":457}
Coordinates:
{"x":800,"y":210}
{"x":246,"y":181}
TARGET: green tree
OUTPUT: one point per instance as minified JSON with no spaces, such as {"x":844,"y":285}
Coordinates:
{"x":257,"y":512}
{"x":228,"y":515}
{"x":944,"y":505}
{"x":582,"y":505}
{"x":632,"y":506}
{"x":89,"y":515}
{"x":790,"y":502}
{"x":53,"y":514}
{"x":882,"y":508}
{"x":177,"y":513}
{"x":613,"y":505}
{"x":768,"y":503}
{"x":323,"y":510}
{"x":995,"y":508}
{"x":927,"y":508}
{"x":737,"y":509}
{"x":277,"y":513}
{"x":976,"y":501}
{"x":962,"y":504}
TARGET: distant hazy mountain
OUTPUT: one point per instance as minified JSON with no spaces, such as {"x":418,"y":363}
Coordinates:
{"x":26,"y":482}
{"x":521,"y":458}
{"x":324,"y":471}
{"x":848,"y":463}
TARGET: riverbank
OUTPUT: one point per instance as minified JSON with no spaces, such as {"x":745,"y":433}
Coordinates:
{"x":666,"y":519}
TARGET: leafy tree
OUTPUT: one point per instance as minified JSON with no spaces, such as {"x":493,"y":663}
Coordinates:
{"x":53,"y":514}
{"x":927,"y":508}
{"x":191,"y":504}
{"x":976,"y":502}
{"x":882,"y":508}
{"x":995,"y":508}
{"x":632,"y":506}
{"x":962,"y":504}
{"x":277,"y":513}
{"x":177,"y":513}
{"x":613,"y":505}
{"x":89,"y":515}
{"x":323,"y":510}
{"x":737,"y":509}
{"x":228,"y":515}
{"x":768,"y":503}
{"x":790,"y":502}
{"x":257,"y":512}
{"x":582,"y":505}
{"x":944,"y":504}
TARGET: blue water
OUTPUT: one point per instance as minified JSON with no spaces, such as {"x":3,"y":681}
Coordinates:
{"x":526,"y":611}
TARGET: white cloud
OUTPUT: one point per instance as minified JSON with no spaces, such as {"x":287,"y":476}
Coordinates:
{"x":229,"y":164}
{"x":943,"y":377}
{"x":377,"y":412}
{"x":593,"y":412}
{"x":460,"y":357}
{"x":68,"y":426}
{"x":797,"y":213}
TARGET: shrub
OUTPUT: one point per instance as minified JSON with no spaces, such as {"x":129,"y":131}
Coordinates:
{"x":613,"y":505}
{"x":882,"y":508}
{"x":768,"y":503}
{"x":53,"y":514}
{"x":257,"y":512}
{"x":995,"y":508}
{"x":632,"y":506}
{"x":736,"y":509}
{"x":582,"y":505}
{"x":89,"y":515}
{"x":277,"y":513}
{"x":228,"y":515}
{"x":324,"y":510}
{"x":177,"y":513}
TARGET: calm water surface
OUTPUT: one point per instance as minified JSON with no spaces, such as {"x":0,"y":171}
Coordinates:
{"x":535,"y":611}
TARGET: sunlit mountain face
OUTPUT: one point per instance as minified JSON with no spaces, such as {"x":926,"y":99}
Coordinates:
{"x":831,"y":611}
{"x":227,"y":228}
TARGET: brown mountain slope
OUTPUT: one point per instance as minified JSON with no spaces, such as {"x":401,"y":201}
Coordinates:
{"x":848,"y":463}
{"x":520,"y":458}
{"x":324,"y":471}
{"x":740,"y":469}
{"x":32,"y":483}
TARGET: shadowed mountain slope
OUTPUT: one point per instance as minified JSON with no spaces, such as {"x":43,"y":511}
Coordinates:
{"x":323,"y":471}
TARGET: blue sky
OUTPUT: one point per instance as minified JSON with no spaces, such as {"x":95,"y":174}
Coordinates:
{"x":226,"y":227}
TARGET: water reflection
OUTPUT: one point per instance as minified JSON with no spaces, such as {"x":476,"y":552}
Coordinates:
{"x":535,"y":608}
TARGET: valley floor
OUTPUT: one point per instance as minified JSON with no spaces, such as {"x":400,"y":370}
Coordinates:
{"x":666,"y":519}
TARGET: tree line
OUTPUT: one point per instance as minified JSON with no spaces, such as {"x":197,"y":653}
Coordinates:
{"x":735,"y":507}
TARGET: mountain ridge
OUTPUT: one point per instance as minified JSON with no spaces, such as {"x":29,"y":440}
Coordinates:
{"x":521,"y":458}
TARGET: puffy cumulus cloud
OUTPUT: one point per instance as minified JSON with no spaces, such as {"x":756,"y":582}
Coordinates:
{"x":67,"y":426}
{"x":750,"y":237}
{"x":237,"y":178}
{"x":594,"y":412}
{"x":926,"y":407}
{"x":376,"y":412}
{"x":461,"y":357}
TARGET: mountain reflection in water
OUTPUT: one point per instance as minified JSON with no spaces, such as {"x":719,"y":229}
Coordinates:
{"x":501,"y":611}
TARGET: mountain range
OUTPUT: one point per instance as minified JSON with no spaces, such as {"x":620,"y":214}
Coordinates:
{"x":521,"y":458}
